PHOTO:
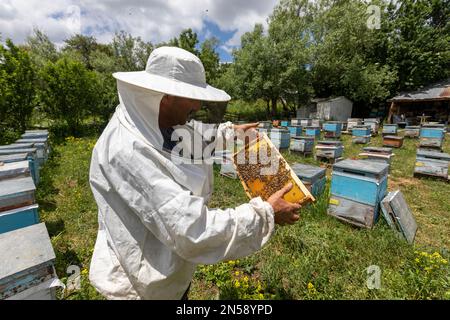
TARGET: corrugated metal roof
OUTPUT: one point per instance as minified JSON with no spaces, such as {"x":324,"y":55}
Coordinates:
{"x":437,"y":91}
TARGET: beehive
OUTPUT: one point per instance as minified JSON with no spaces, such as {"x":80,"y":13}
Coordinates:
{"x":285,"y":123}
{"x":280,"y":137}
{"x":27,"y":272}
{"x":313,"y":177}
{"x":361,"y":134}
{"x":15,"y":193}
{"x":357,"y":187}
{"x":38,"y":134}
{"x":312,"y":131}
{"x":31,"y":156}
{"x":38,"y":142}
{"x":374,"y":124}
{"x":431,"y":137}
{"x":263,"y":176}
{"x":412,"y":131}
{"x":377,"y":154}
{"x":304,"y":144}
{"x":316,"y":123}
{"x":329,"y":149}
{"x":295,"y":130}
{"x":332,"y":129}
{"x":390,"y":129}
{"x":393,"y":141}
{"x":14,"y":169}
{"x":304,"y":122}
{"x":431,"y":163}
{"x":398,"y":215}
{"x":41,"y":153}
{"x":8,"y":158}
{"x":351,"y":122}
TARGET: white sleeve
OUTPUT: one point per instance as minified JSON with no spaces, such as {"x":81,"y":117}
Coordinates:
{"x":183,"y":222}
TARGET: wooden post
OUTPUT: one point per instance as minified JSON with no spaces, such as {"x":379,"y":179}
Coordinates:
{"x":391,"y":112}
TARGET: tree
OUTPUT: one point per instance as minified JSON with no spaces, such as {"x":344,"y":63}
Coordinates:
{"x":41,"y":49}
{"x":131,"y":53}
{"x":69,"y":91}
{"x":210,"y":58}
{"x":84,"y":46}
{"x":17,"y":78}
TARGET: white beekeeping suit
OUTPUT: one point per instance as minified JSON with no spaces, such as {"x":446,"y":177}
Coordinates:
{"x":154,"y":223}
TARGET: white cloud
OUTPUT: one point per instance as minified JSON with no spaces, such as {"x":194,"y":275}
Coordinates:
{"x":152,"y":20}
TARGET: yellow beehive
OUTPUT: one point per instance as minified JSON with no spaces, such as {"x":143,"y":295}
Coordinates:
{"x":259,"y":183}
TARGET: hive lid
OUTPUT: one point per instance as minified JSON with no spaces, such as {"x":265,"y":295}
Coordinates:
{"x":17,"y":146}
{"x":378,"y":149}
{"x":412,"y":127}
{"x":312,"y":127}
{"x":14,"y":168}
{"x":398,"y":215}
{"x":433,"y":154}
{"x":35,"y":135}
{"x":32,"y":247}
{"x":303,"y":138}
{"x":29,"y":151}
{"x":330,"y":142}
{"x":308,"y":172}
{"x":393,"y":137}
{"x":15,"y":186}
{"x":361,"y":127}
{"x":31,"y":140}
{"x":376,"y":168}
{"x":434,"y":125}
{"x":280,"y":129}
{"x":391,"y":125}
{"x":13,"y":157}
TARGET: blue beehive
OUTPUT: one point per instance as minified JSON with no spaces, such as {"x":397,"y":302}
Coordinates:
{"x":14,"y":169}
{"x":295,"y":130}
{"x":280,"y":137}
{"x":31,"y":156}
{"x":17,"y":204}
{"x":361,"y":134}
{"x":27,"y":272}
{"x":285,"y":123}
{"x":390,"y":129}
{"x":431,"y":136}
{"x":332,"y":129}
{"x":357,"y":188}
{"x":313,"y":177}
{"x":8,"y":158}
{"x":329,"y":149}
{"x":40,"y":149}
{"x":303,"y":144}
{"x":312,"y":131}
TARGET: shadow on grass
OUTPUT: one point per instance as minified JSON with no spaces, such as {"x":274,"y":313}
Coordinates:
{"x":55,"y":227}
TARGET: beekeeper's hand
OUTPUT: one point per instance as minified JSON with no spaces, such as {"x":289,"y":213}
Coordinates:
{"x":285,"y":212}
{"x":246,"y":132}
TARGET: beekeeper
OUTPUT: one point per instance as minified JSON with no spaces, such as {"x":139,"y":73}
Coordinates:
{"x":154,"y":222}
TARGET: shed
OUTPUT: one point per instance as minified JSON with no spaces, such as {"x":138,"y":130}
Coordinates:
{"x":431,"y":103}
{"x":337,"y":109}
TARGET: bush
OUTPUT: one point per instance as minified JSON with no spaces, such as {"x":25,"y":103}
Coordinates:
{"x":69,"y":92}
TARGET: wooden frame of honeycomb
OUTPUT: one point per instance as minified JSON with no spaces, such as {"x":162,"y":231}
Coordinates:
{"x":256,"y":184}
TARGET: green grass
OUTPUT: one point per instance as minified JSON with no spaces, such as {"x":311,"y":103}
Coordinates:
{"x":317,"y":258}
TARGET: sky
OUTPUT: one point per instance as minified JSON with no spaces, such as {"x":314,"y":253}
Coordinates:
{"x":152,"y":20}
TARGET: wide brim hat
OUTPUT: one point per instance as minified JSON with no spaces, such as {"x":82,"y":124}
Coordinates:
{"x":176,"y":72}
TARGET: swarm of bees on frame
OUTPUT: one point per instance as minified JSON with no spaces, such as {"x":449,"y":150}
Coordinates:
{"x":250,"y":172}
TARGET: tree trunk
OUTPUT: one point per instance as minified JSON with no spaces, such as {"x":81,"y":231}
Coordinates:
{"x":274,"y":106}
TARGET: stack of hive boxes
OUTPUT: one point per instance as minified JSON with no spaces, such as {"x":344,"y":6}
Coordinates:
{"x":331,"y":150}
{"x":313,"y":177}
{"x":27,"y":271}
{"x":361,"y":134}
{"x":302,"y":144}
{"x":432,"y":163}
{"x":357,"y":188}
{"x":280,"y":137}
{"x":332,"y":129}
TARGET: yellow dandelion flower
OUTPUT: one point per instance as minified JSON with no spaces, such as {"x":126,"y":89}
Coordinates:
{"x":236,"y":273}
{"x":245,"y":279}
{"x":310,"y":286}
{"x":443,"y":261}
{"x":84,"y":272}
{"x":417,"y":260}
{"x":261,"y":296}
{"x":237,"y":284}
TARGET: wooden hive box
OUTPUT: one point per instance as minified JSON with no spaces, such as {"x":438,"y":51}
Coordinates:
{"x":264,"y":179}
{"x":412,"y":131}
{"x":431,"y":137}
{"x":280,"y":137}
{"x":351,"y":122}
{"x":390,"y":129}
{"x":14,"y":169}
{"x":32,"y":157}
{"x":295,"y":131}
{"x":35,"y":134}
{"x":303,"y":144}
{"x":27,"y":272}
{"x":433,"y":164}
{"x":398,"y":215}
{"x":285,"y":123}
{"x":329,"y":149}
{"x":393,"y":141}
{"x":377,"y":154}
{"x":312,"y":131}
{"x":357,"y":187}
{"x":332,"y":129}
{"x":313,"y":177}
